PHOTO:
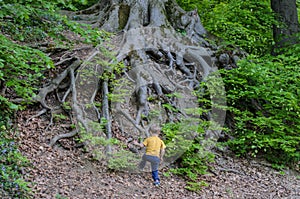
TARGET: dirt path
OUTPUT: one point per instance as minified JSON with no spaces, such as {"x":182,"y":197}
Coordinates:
{"x":65,"y":172}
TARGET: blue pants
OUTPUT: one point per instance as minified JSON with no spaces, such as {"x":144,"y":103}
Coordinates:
{"x":154,"y":160}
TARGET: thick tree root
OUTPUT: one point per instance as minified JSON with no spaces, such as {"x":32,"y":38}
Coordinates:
{"x":43,"y":111}
{"x":62,"y":136}
{"x":161,"y":64}
{"x":55,"y":84}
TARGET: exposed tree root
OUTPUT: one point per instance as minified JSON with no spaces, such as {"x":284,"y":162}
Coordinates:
{"x":63,"y":136}
{"x":43,"y":111}
{"x":161,"y":64}
{"x":55,"y":84}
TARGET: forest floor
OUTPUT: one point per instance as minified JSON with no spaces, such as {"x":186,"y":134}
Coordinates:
{"x":65,"y":171}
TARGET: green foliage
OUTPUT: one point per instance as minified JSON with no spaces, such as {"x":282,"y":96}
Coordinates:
{"x":11,"y":164}
{"x":22,"y":67}
{"x":58,"y":196}
{"x":117,"y":160}
{"x":48,"y":5}
{"x":113,"y":70}
{"x":83,"y":4}
{"x":26,"y":22}
{"x":112,"y":67}
{"x":196,"y":186}
{"x":66,"y":106}
{"x":194,"y":162}
{"x":177,"y":140}
{"x":123,"y":160}
{"x":194,"y":4}
{"x":95,"y":139}
{"x":298,"y":8}
{"x":264,"y":94}
{"x":34,"y":21}
{"x":244,"y":23}
{"x":184,"y":140}
{"x":60,"y":116}
{"x":6,"y":106}
{"x":21,"y":70}
{"x":96,"y":128}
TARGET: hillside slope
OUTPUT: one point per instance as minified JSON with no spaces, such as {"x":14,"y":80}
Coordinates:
{"x":66,"y":172}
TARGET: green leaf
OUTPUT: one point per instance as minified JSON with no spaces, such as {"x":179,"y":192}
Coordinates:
{"x":13,"y":106}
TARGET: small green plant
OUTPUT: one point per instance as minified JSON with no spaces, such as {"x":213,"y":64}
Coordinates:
{"x":278,"y":167}
{"x":170,"y":107}
{"x":67,"y":106}
{"x":59,"y":117}
{"x":96,"y":139}
{"x":96,"y":128}
{"x":167,"y":174}
{"x":281,"y":172}
{"x":58,"y":196}
{"x":229,"y":191}
{"x":123,"y":160}
{"x":196,"y":186}
{"x":194,"y":162}
{"x":175,"y":94}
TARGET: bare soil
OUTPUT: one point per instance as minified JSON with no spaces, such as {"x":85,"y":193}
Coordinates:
{"x":65,"y":171}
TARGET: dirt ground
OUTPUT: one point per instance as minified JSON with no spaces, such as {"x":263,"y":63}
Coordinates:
{"x":64,"y":171}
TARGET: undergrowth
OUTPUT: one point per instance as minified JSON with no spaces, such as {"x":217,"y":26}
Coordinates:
{"x":24,"y":25}
{"x":243,"y":23}
{"x":265,"y":105}
{"x":12,"y":163}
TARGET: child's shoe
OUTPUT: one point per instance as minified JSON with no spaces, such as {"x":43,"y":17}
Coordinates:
{"x":156,"y":183}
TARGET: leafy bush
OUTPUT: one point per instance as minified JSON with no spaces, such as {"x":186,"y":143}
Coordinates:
{"x":177,"y":141}
{"x":264,"y":94}
{"x":11,"y":163}
{"x":190,"y":149}
{"x":194,"y":162}
{"x":35,"y":21}
{"x":49,"y":5}
{"x":186,"y":140}
{"x":244,"y":23}
{"x":21,"y":70}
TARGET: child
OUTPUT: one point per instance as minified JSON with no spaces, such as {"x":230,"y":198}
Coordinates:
{"x":155,"y":150}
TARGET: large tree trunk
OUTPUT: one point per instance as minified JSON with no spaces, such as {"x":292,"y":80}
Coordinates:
{"x":287,"y":16}
{"x":164,"y":53}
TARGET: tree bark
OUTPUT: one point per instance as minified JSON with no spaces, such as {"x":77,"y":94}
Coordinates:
{"x":287,"y":16}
